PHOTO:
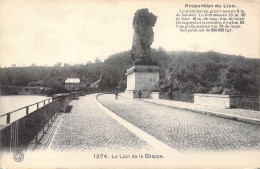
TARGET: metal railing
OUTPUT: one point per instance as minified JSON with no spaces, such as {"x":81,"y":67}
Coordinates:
{"x":245,"y":102}
{"x":20,"y":132}
{"x":8,"y":115}
{"x":184,"y":97}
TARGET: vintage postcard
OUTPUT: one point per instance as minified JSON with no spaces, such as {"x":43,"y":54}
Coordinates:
{"x":129,"y":84}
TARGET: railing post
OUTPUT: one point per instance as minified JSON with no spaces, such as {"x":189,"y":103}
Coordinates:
{"x":44,"y":103}
{"x":37,"y":106}
{"x":27,"y":110}
{"x":8,"y":118}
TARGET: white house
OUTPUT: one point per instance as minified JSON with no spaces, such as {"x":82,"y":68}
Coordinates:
{"x":72,"y":83}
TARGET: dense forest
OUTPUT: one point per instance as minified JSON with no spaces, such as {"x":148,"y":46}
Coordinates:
{"x":187,"y":72}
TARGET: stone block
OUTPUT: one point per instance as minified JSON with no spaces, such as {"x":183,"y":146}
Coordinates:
{"x":155,"y":95}
{"x":212,"y":100}
{"x":144,"y":78}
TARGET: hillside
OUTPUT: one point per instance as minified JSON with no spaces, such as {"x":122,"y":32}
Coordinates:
{"x":189,"y":72}
{"x":193,"y":72}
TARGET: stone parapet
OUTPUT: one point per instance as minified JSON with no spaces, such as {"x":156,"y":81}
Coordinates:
{"x":155,"y":95}
{"x":213,"y":100}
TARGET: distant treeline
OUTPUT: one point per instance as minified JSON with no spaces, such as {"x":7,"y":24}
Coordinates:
{"x":188,"y":72}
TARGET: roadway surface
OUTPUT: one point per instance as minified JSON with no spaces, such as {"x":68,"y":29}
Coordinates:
{"x":138,"y":134}
{"x":88,"y":127}
{"x":184,"y":130}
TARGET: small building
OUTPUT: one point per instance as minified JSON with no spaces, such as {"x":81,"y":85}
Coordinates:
{"x":72,"y":84}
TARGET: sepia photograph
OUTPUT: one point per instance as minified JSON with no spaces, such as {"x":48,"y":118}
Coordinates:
{"x":130,"y":84}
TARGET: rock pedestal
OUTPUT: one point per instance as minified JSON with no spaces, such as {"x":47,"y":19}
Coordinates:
{"x":143,"y":76}
{"x":142,"y":80}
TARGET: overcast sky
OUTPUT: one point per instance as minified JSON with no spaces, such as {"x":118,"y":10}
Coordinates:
{"x":47,"y":32}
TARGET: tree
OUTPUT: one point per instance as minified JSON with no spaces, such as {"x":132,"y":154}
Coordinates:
{"x":58,"y":64}
{"x":98,"y":60}
{"x":185,"y":71}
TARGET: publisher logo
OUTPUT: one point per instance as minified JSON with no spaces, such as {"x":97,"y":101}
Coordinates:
{"x":18,"y":156}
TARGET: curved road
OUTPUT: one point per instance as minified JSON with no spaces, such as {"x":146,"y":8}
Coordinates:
{"x":183,"y":130}
{"x":88,"y":127}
